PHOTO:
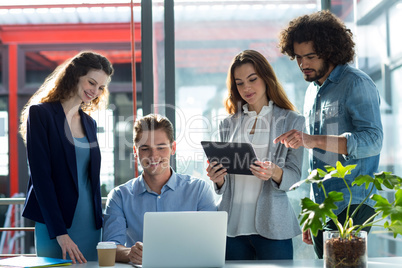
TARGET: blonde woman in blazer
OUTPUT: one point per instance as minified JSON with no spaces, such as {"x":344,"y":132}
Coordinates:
{"x":261,"y":221}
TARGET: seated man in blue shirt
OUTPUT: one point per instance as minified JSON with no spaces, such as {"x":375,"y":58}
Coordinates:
{"x":158,"y":188}
{"x":342,"y":111}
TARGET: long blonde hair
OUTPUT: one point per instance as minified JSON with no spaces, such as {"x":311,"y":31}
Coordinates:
{"x":62,"y":83}
{"x":274,"y":90}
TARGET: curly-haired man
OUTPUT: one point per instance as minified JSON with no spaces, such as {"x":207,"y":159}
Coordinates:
{"x":342,"y":110}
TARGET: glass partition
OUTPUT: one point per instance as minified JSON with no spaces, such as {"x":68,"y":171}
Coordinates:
{"x":208,"y":34}
{"x":395,"y":148}
{"x":379,"y":55}
{"x":207,"y":37}
{"x":4,"y":157}
{"x":395,"y":22}
{"x":114,"y":124}
{"x":1,"y":68}
{"x":4,"y":149}
{"x":372,"y":43}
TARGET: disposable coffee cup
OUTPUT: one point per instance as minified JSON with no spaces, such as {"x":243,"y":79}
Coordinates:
{"x":106,"y":254}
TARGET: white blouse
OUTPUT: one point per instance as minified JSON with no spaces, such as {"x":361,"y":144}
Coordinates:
{"x":247,"y":188}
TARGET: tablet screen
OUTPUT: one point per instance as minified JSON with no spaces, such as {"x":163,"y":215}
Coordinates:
{"x":236,"y":157}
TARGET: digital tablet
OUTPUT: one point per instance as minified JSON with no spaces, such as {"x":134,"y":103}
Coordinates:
{"x":236,"y":157}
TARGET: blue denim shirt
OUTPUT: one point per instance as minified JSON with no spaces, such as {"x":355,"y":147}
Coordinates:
{"x":127,"y":204}
{"x":347,"y":104}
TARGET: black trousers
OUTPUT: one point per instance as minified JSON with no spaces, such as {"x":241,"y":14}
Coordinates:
{"x":360,"y":217}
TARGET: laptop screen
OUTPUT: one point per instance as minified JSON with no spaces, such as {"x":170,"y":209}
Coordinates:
{"x":184,"y":239}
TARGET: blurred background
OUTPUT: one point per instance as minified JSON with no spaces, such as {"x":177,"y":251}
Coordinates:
{"x":171,"y":57}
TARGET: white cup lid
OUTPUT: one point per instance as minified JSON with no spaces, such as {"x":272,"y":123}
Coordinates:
{"x":106,"y":245}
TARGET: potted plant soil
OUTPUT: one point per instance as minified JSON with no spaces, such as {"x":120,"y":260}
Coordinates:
{"x":347,"y":247}
{"x":345,"y":252}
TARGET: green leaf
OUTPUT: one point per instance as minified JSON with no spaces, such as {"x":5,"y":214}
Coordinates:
{"x":364,"y":179}
{"x":395,"y":227}
{"x":297,"y":185}
{"x":313,"y":177}
{"x":394,"y":210}
{"x":378,"y":184}
{"x":313,"y":215}
{"x":382,"y":204}
{"x":316,"y":177}
{"x":329,"y":168}
{"x":389,"y":180}
{"x":311,"y":220}
{"x":321,"y":172}
{"x":333,"y":197}
{"x":396,"y":213}
{"x":343,"y":171}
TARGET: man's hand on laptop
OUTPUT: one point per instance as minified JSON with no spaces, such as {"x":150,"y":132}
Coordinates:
{"x":135,"y":254}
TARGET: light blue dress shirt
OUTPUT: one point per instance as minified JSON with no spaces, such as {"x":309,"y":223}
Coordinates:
{"x":127,"y":204}
{"x":347,"y":104}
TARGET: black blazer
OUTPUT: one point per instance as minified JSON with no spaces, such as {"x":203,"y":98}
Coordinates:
{"x":52,"y":193}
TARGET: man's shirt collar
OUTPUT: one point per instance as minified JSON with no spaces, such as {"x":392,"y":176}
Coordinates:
{"x":335,"y":76}
{"x":171,"y":184}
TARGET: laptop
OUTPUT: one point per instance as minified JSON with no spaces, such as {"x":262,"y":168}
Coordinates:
{"x":184,"y":239}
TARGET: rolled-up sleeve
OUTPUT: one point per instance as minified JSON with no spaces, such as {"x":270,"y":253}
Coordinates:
{"x":292,"y":167}
{"x":363,"y":105}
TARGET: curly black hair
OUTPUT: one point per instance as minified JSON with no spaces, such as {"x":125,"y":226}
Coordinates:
{"x":331,"y":39}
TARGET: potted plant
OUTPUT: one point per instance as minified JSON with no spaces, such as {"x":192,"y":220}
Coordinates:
{"x":313,"y":216}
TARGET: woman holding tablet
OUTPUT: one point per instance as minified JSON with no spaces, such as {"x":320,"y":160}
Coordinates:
{"x":261,"y":222}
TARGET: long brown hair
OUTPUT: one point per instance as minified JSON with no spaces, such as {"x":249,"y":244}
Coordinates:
{"x":62,"y":83}
{"x":274,"y":90}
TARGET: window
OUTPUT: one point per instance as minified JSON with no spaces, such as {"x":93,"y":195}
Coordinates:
{"x":378,"y":49}
{"x":114,"y":124}
{"x":395,"y":20}
{"x":207,"y":37}
{"x":4,"y":172}
{"x":208,"y":34}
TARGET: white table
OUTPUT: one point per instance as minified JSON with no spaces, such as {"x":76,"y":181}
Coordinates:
{"x":309,"y":263}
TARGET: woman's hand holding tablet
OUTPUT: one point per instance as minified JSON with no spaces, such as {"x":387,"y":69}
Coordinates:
{"x":235,"y":157}
{"x":216,"y":173}
{"x":267,"y":170}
